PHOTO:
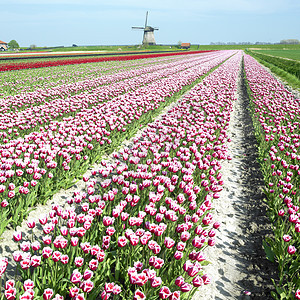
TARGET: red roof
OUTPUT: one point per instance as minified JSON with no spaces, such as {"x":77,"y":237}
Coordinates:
{"x":1,"y":42}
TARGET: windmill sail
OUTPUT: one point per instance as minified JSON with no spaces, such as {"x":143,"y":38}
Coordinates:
{"x":146,"y":19}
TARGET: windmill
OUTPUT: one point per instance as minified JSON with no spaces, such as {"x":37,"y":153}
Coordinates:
{"x":148,"y":33}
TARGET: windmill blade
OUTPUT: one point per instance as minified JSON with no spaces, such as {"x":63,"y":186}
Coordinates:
{"x":146,"y":19}
{"x":138,"y":28}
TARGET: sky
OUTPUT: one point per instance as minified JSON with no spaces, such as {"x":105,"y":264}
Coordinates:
{"x":96,"y":22}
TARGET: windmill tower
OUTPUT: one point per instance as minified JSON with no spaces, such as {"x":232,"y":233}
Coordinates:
{"x":148,"y":33}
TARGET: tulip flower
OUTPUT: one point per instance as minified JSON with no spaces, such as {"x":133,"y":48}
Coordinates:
{"x":48,"y":294}
{"x":164,"y":293}
{"x":10,"y":293}
{"x":138,"y":295}
{"x":17,"y":236}
{"x":291,"y":250}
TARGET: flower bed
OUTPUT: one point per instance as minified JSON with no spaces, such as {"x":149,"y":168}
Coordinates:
{"x":77,"y":86}
{"x":51,"y":63}
{"x":35,"y":80}
{"x":275,"y":113}
{"x":36,"y":165}
{"x":63,"y":101}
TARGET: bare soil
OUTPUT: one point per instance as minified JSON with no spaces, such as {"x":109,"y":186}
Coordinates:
{"x":238,"y":260}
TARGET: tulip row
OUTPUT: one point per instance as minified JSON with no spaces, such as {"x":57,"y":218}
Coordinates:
{"x":276,"y":120}
{"x":51,"y":63}
{"x":79,"y":85}
{"x":141,"y":228}
{"x":58,"y":102}
{"x":36,"y":165}
{"x":40,"y":56}
{"x":31,"y":80}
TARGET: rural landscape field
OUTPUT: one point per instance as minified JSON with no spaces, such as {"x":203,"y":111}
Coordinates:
{"x":153,"y":170}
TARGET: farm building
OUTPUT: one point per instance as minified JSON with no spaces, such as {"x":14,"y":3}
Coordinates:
{"x":3,"y":46}
{"x":185,"y":45}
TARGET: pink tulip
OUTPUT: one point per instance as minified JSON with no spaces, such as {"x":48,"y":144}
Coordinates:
{"x":186,"y":287}
{"x":28,"y":284}
{"x":175,"y":296}
{"x":164,"y":293}
{"x":179,"y":281}
{"x":291,"y":250}
{"x":76,"y":277}
{"x":138,"y":295}
{"x":197,"y":281}
{"x":74,"y":291}
{"x":48,"y":294}
{"x":17,"y":236}
{"x":10,"y":293}
{"x":87,"y":286}
{"x":206,"y":279}
{"x":156,"y":282}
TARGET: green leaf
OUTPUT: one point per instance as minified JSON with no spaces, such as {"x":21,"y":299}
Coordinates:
{"x":44,"y":280}
{"x":283,"y":295}
{"x":38,"y":284}
{"x":117,"y":269}
{"x":269,"y":253}
{"x":95,"y":292}
{"x":274,"y":295}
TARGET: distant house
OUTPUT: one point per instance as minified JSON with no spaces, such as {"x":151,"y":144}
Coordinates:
{"x":185,"y":45}
{"x":3,"y":46}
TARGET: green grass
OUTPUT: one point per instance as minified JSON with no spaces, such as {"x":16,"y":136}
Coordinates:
{"x":108,"y":48}
{"x":171,"y":47}
{"x":291,"y":54}
{"x":244,"y":47}
{"x":274,"y":47}
{"x":99,"y":48}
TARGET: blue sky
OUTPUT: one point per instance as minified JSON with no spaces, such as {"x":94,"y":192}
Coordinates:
{"x":97,"y":22}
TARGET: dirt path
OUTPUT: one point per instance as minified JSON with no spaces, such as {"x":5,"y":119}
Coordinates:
{"x":238,"y":259}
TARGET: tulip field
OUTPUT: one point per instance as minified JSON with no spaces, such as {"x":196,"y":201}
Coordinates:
{"x":141,"y":227}
{"x":70,"y":61}
{"x":275,"y":112}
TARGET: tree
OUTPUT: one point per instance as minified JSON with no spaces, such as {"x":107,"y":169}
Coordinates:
{"x":179,"y":44}
{"x":290,"y":41}
{"x":13,"y":44}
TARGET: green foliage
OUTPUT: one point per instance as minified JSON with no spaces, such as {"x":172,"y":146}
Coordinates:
{"x":292,"y":67}
{"x":269,"y":253}
{"x":13,"y":44}
{"x":291,"y":54}
{"x":290,"y":41}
